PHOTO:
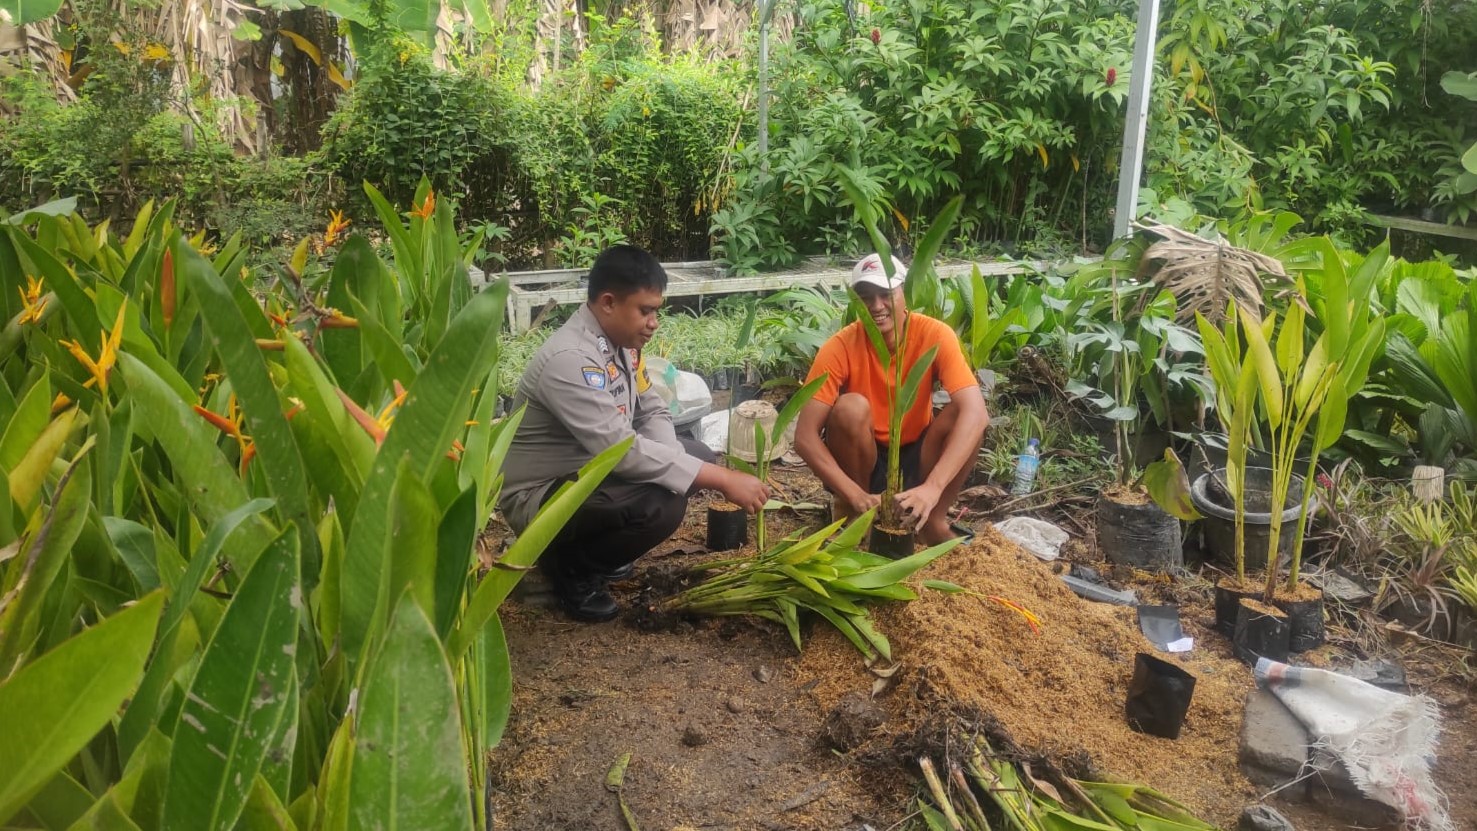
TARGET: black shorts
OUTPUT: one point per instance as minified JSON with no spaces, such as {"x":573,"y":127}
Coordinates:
{"x":910,"y":460}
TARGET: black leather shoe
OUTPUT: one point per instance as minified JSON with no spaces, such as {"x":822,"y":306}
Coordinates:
{"x":586,"y":599}
{"x":622,"y":573}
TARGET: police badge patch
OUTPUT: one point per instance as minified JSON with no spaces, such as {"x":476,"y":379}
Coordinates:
{"x":594,"y":376}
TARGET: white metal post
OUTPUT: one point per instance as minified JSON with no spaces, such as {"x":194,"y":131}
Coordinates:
{"x":766,"y":9}
{"x":1131,"y":163}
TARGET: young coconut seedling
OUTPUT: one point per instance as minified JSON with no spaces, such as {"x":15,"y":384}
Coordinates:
{"x":764,"y":441}
{"x":892,"y":535}
{"x":835,"y":580}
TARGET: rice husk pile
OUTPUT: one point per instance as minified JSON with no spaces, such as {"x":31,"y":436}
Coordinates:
{"x":1059,"y":693}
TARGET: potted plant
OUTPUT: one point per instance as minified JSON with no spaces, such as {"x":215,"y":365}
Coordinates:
{"x":1123,"y":357}
{"x":764,"y":442}
{"x":1296,"y":390}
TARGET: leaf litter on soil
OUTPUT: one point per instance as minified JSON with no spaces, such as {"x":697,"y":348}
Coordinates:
{"x":1059,"y":693}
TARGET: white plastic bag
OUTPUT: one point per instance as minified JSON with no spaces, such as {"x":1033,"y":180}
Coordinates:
{"x":1042,"y":539}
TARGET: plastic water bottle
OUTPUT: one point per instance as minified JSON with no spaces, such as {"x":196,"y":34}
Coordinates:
{"x":1025,"y":468}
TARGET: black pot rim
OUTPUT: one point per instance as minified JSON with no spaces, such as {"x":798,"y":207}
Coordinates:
{"x":1200,"y":497}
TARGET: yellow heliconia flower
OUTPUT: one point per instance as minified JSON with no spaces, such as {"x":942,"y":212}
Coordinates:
{"x":32,"y":302}
{"x":336,"y":227}
{"x":107,"y":357}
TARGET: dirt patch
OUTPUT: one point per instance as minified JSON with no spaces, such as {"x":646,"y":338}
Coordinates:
{"x":721,"y":733}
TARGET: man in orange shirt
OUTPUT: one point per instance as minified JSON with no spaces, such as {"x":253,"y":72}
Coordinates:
{"x":842,"y":432}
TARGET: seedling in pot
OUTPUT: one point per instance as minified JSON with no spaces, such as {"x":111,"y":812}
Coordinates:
{"x":763,"y":442}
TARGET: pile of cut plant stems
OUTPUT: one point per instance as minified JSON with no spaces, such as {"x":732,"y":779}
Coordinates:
{"x":1028,"y":803}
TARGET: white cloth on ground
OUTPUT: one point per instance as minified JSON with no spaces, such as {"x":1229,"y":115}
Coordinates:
{"x":1385,"y":739}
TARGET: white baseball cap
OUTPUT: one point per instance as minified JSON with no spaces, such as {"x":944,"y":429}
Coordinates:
{"x":870,"y":270}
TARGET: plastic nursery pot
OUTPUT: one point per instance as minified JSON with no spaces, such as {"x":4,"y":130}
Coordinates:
{"x":1228,"y":597}
{"x":1304,"y":609}
{"x":728,"y":527}
{"x":893,"y":544}
{"x":1158,"y":697}
{"x":1261,"y":632}
{"x":1133,"y":530}
{"x":1219,"y":524}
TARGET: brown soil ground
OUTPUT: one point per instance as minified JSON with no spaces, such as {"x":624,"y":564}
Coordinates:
{"x":724,"y":720}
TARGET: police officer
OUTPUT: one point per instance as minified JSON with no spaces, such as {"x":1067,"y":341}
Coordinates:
{"x":585,"y":390}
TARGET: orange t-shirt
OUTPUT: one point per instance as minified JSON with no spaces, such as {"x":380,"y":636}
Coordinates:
{"x":852,"y":364}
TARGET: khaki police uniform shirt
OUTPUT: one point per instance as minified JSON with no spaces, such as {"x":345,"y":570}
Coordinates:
{"x":584,"y":394}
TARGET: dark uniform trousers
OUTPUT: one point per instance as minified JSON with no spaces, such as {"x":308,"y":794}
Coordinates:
{"x":618,"y":523}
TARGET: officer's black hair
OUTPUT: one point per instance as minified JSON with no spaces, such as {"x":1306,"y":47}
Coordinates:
{"x":623,"y":269}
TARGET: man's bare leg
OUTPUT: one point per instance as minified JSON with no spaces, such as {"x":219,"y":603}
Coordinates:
{"x":851,"y":441}
{"x":935,"y":529}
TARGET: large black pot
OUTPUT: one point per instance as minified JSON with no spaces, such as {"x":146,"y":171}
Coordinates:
{"x":1219,"y":524}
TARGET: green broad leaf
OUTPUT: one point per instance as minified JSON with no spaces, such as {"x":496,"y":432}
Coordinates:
{"x":357,"y":270}
{"x":408,"y":768}
{"x":555,"y":512}
{"x":264,"y":811}
{"x":229,"y":720}
{"x":864,"y":627}
{"x":874,"y":335}
{"x":855,"y":532}
{"x":843,"y":625}
{"x":211,"y":482}
{"x":494,"y":691}
{"x":1469,"y":159}
{"x":790,"y":615}
{"x":944,"y":586}
{"x":98,"y":668}
{"x":932,"y":818}
{"x":792,"y":407}
{"x":1332,"y":414}
{"x":897,"y":591}
{"x":434,"y":413}
{"x":333,"y":783}
{"x":802,"y":550}
{"x":1259,"y":355}
{"x":135,"y":546}
{"x":928,"y":248}
{"x":277,"y":450}
{"x":134,"y":800}
{"x":31,"y":416}
{"x":321,"y":405}
{"x":143,"y":710}
{"x":1055,"y":819}
{"x":804,"y":579}
{"x":1169,"y":486}
{"x":60,"y":802}
{"x":384,"y":350}
{"x":48,"y":552}
{"x":29,"y":10}
{"x":410,"y":547}
{"x":916,"y":373}
{"x":1463,"y":84}
{"x":30,"y":473}
{"x":456,"y":548}
{"x":405,"y":260}
{"x":900,"y":570}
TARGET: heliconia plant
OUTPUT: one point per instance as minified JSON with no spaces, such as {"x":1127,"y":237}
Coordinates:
{"x":238,"y":523}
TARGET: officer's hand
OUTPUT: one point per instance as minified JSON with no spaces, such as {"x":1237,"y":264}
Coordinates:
{"x":745,"y":491}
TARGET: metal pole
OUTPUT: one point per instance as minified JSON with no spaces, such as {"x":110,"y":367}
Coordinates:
{"x":766,"y":8}
{"x":1131,"y":163}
